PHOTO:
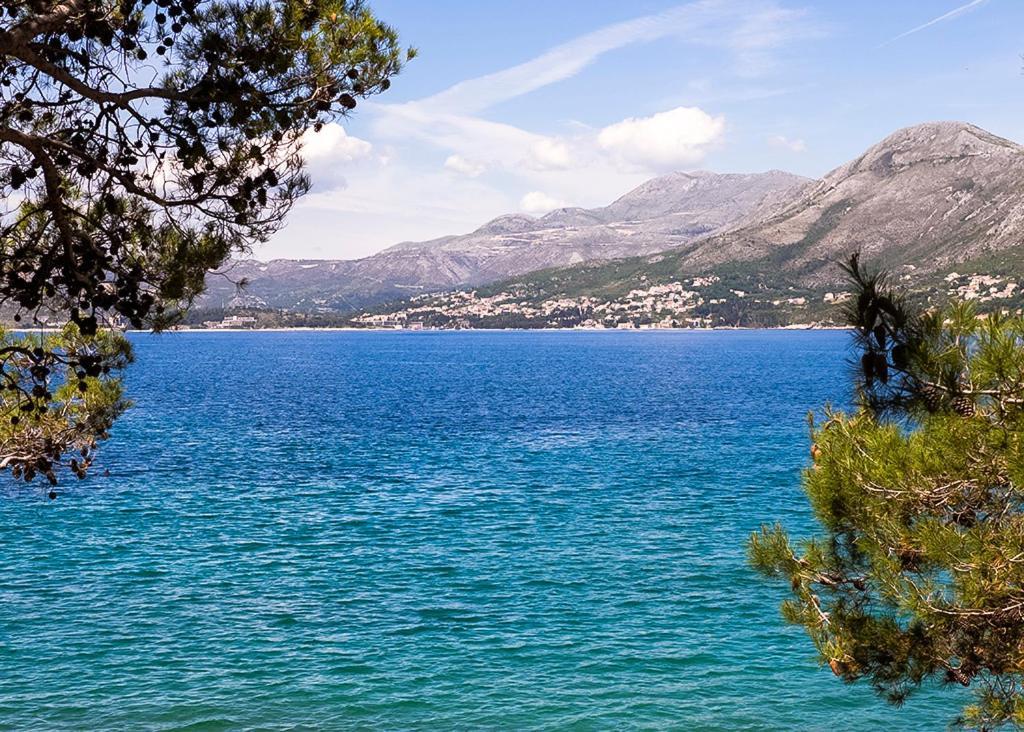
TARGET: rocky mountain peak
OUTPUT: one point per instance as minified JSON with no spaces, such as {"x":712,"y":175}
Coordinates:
{"x":934,"y":143}
{"x":508,"y":224}
{"x":572,"y":216}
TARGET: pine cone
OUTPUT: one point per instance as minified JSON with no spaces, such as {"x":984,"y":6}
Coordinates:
{"x":963,"y":405}
{"x":959,"y":675}
{"x":932,"y":398}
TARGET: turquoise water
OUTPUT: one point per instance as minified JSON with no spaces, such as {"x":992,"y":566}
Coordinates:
{"x":431,"y":531}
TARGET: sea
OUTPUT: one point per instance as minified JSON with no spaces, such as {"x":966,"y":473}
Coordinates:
{"x":433,"y":531}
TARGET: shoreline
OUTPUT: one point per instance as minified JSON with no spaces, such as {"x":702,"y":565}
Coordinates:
{"x":301,"y":329}
{"x":340,"y":329}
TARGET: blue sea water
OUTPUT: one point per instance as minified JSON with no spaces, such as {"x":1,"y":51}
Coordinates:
{"x":391,"y":531}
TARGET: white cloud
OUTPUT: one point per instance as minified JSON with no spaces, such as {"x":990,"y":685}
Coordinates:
{"x":459,"y":164}
{"x":333,"y":144}
{"x":537,"y":203}
{"x":669,"y":140}
{"x":782,"y":141}
{"x":549,"y":154}
{"x":330,"y":153}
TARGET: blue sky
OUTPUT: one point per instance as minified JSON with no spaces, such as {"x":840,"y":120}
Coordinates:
{"x":529,"y":105}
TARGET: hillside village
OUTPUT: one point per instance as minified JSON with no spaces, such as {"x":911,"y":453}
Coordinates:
{"x":686,"y":304}
{"x":672,"y":305}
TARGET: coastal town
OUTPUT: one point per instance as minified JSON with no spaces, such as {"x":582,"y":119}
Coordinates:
{"x":698,"y":302}
{"x":685,"y":304}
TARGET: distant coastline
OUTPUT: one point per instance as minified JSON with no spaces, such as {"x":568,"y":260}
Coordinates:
{"x":500,"y":330}
{"x":21,"y":328}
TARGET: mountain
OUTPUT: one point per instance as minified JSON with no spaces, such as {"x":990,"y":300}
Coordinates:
{"x":941,"y":204}
{"x":931,"y":195}
{"x":666,"y":212}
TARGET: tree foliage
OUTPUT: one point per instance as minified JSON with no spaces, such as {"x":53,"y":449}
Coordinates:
{"x":919,"y":572}
{"x":60,"y":394}
{"x":142,"y":142}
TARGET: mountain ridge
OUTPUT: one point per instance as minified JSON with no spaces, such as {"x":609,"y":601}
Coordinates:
{"x":663,"y":212}
{"x":921,"y":202}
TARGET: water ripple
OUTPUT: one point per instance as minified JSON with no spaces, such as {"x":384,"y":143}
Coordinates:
{"x":430,"y":531}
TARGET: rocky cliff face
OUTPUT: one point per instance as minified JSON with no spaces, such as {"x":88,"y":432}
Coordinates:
{"x":929,"y":196}
{"x":663,"y":213}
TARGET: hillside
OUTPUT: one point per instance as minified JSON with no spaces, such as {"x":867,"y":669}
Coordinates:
{"x":940,"y":204}
{"x":931,"y":195}
{"x":666,"y":212}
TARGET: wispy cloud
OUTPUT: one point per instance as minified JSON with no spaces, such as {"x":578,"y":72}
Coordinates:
{"x":955,"y":12}
{"x":793,"y":145}
{"x":464,"y":166}
{"x":568,"y":59}
{"x":748,"y":28}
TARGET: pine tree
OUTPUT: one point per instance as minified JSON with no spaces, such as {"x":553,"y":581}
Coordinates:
{"x":918,"y":573}
{"x":59,"y":395}
{"x":142,"y":144}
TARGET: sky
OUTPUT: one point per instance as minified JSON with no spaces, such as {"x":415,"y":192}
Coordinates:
{"x":524,"y":106}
